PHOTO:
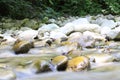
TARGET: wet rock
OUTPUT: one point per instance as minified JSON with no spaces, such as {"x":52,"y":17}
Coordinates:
{"x":7,"y":74}
{"x":33,"y":67}
{"x":59,"y":63}
{"x":22,"y":46}
{"x":78,"y":64}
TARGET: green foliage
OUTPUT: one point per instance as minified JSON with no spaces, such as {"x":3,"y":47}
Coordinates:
{"x":20,"y":9}
{"x":16,"y":8}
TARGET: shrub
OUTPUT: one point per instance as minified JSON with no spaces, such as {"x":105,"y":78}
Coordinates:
{"x":20,"y":9}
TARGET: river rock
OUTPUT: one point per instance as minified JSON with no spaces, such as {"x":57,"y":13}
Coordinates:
{"x":80,"y":21}
{"x":22,"y":46}
{"x":87,"y":27}
{"x":68,"y":28}
{"x":44,"y":31}
{"x":67,"y":46}
{"x":57,"y":35}
{"x":48,"y":27}
{"x":74,"y":37}
{"x":59,"y":63}
{"x":77,"y":64}
{"x":28,"y":35}
{"x":114,"y":33}
{"x":95,"y":38}
{"x":8,"y":40}
{"x":108,"y":23}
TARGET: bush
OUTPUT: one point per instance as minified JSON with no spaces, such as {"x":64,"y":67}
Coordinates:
{"x":20,"y":9}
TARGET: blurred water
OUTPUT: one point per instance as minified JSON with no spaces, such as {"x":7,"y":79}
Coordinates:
{"x":114,"y":75}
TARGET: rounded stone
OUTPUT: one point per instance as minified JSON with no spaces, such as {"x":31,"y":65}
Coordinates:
{"x":60,"y":62}
{"x":22,"y":46}
{"x":77,"y":64}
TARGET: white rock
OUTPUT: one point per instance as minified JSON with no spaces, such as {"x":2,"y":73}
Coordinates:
{"x":74,"y":37}
{"x":114,"y":34}
{"x":80,"y":21}
{"x":117,"y":18}
{"x":98,"y":21}
{"x":57,"y":35}
{"x":108,"y":23}
{"x":48,"y":27}
{"x":8,"y":40}
{"x":28,"y":35}
{"x":87,"y":27}
{"x":89,"y":39}
{"x":44,"y":31}
{"x":86,"y":41}
{"x":105,"y":30}
{"x":93,"y":35}
{"x":66,"y":29}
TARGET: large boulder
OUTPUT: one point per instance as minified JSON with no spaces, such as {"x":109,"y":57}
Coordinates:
{"x":68,"y":28}
{"x":89,"y":39}
{"x":108,"y":23}
{"x":44,"y":31}
{"x":48,"y":27}
{"x":77,"y":64}
{"x":81,"y":21}
{"x":111,"y":33}
{"x":28,"y":35}
{"x":87,"y":27}
{"x":57,"y":35}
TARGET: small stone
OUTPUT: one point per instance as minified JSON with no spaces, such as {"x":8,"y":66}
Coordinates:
{"x":77,"y":64}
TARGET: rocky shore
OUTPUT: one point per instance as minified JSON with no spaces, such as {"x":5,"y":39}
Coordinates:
{"x":76,"y":44}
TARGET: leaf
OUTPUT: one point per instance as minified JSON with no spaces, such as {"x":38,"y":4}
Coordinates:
{"x":50,"y":1}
